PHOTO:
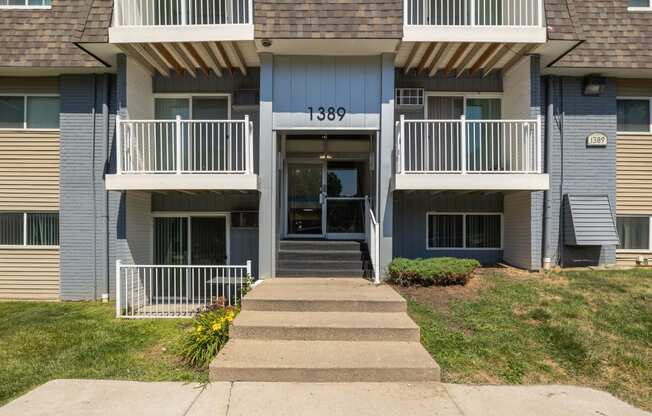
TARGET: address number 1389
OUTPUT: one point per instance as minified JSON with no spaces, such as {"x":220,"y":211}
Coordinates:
{"x":330,"y":113}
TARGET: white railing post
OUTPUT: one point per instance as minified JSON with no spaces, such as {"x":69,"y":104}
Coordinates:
{"x":539,"y":151}
{"x":118,"y":285}
{"x":117,"y":14}
{"x":402,"y":143}
{"x":178,"y":143}
{"x":472,"y":13}
{"x":406,"y":11}
{"x":118,"y":144}
{"x":247,"y":148}
{"x":184,"y":13}
{"x":463,"y":160}
{"x":541,"y":20}
{"x":251,"y":12}
{"x":249,"y":268}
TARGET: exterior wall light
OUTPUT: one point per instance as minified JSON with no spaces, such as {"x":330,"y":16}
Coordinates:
{"x":594,"y":85}
{"x":266,"y":43}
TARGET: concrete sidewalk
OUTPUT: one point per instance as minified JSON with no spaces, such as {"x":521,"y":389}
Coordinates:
{"x":104,"y":398}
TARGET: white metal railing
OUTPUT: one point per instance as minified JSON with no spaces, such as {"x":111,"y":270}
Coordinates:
{"x":501,"y":13}
{"x":373,"y":236}
{"x":468,"y":146}
{"x":182,"y":12}
{"x":155,"y":291}
{"x":185,"y":146}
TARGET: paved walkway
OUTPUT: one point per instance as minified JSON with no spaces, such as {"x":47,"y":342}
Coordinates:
{"x":109,"y":398}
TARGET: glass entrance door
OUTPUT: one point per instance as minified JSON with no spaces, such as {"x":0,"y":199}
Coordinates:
{"x":305,"y":199}
{"x":345,"y":200}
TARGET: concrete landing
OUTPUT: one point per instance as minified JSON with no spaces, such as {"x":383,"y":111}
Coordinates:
{"x":109,"y":398}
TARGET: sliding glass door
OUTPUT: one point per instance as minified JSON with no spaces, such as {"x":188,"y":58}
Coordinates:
{"x":196,"y":240}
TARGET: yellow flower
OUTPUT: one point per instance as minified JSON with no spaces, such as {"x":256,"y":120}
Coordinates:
{"x":216,"y":326}
{"x":199,"y":328}
{"x":230,"y":316}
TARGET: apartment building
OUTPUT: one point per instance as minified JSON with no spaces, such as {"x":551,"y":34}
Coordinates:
{"x":166,"y":146}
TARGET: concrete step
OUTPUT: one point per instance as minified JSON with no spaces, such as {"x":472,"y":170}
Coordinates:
{"x":323,"y":361}
{"x":323,"y":245}
{"x":323,"y":295}
{"x":324,"y":326}
{"x":307,"y":255}
{"x":359,"y":272}
{"x":321,"y":264}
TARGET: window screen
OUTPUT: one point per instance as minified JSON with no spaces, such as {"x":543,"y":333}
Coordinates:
{"x":11,"y":228}
{"x":634,"y":115}
{"x":43,"y":229}
{"x":483,"y":231}
{"x":445,"y":231}
{"x":12,"y":112}
{"x":634,"y":233}
{"x":42,"y":112}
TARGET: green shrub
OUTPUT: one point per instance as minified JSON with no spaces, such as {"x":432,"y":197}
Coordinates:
{"x":209,"y":333}
{"x":441,"y":271}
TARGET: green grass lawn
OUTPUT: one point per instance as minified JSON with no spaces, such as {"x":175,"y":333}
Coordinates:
{"x":590,"y":328}
{"x":44,"y":341}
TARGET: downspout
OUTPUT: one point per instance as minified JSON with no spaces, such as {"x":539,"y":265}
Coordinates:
{"x":107,"y":155}
{"x":547,"y":208}
{"x":93,"y":176}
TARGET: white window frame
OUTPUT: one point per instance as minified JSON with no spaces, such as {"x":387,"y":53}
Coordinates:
{"x":25,"y":6}
{"x":464,"y":95}
{"x":25,"y":96}
{"x":637,"y":251}
{"x":25,"y":245}
{"x":189,"y":215}
{"x":636,"y":133}
{"x":189,"y":97}
{"x":647,"y":8}
{"x":464,"y":246}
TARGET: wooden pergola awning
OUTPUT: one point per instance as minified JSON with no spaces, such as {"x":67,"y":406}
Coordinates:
{"x":455,"y":59}
{"x":191,"y":57}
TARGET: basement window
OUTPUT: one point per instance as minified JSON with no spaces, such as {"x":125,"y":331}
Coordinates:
{"x":634,"y":233}
{"x":464,"y":231}
{"x":31,"y":229}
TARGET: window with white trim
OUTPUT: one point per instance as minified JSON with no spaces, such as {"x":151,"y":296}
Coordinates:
{"x":464,"y":231}
{"x":634,"y":115}
{"x":29,"y":112}
{"x":25,"y":4}
{"x":639,"y":5}
{"x":31,"y":229}
{"x":634,"y":232}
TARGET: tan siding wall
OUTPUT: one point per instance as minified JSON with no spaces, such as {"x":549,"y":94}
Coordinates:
{"x":634,"y":87}
{"x":634,"y":174}
{"x":29,"y":181}
{"x":29,"y":170}
{"x":629,"y":258}
{"x":29,"y":273}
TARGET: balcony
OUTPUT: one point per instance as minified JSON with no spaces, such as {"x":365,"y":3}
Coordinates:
{"x":181,"y":21}
{"x":469,"y":155}
{"x":184,"y":155}
{"x":493,"y":21}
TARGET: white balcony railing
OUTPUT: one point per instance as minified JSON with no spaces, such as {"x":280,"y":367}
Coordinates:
{"x":500,"y":13}
{"x":184,"y":146}
{"x":182,"y":12}
{"x":177,"y":291}
{"x":468,"y":146}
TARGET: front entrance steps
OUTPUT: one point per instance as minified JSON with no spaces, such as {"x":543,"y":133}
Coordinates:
{"x":321,"y":258}
{"x":323,"y":330}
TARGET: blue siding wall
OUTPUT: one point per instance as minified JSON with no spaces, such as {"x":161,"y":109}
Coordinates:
{"x":87,"y":133}
{"x":353,"y":83}
{"x":410,"y":210}
{"x":578,"y":169}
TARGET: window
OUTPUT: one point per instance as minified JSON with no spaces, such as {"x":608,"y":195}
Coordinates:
{"x":634,"y":233}
{"x":29,"y":112}
{"x":634,"y":115}
{"x":26,"y":3}
{"x":169,"y":106}
{"x":640,"y":5}
{"x":201,"y":239}
{"x":246,"y":219}
{"x":29,"y":229}
{"x":464,"y":231}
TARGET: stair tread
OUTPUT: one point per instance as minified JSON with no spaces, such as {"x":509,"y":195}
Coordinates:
{"x":281,"y":354}
{"x":335,"y":320}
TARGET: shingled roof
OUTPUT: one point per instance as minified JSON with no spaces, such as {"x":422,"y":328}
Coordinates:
{"x":613,"y":37}
{"x":44,"y":38}
{"x":328,"y":19}
{"x":560,"y":24}
{"x":98,"y":20}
